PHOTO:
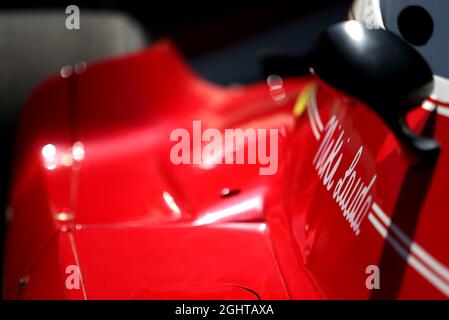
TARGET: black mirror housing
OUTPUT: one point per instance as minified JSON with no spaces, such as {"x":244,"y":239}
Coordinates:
{"x":378,"y":68}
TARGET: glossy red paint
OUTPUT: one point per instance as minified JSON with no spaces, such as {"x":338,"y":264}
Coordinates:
{"x":106,"y":197}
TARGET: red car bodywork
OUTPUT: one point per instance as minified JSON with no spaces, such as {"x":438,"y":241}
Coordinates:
{"x":129,"y":218}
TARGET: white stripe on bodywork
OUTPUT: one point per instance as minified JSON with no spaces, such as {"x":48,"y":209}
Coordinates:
{"x":415,"y":248}
{"x":430,"y":106}
{"x":314,"y":110}
{"x":315,"y":131}
{"x":314,"y":117}
{"x":425,"y":272}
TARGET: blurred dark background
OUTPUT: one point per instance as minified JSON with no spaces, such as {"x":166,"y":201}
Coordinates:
{"x":209,"y":31}
{"x":221,"y":40}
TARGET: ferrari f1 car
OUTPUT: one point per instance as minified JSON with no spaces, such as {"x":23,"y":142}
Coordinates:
{"x":103,"y":207}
